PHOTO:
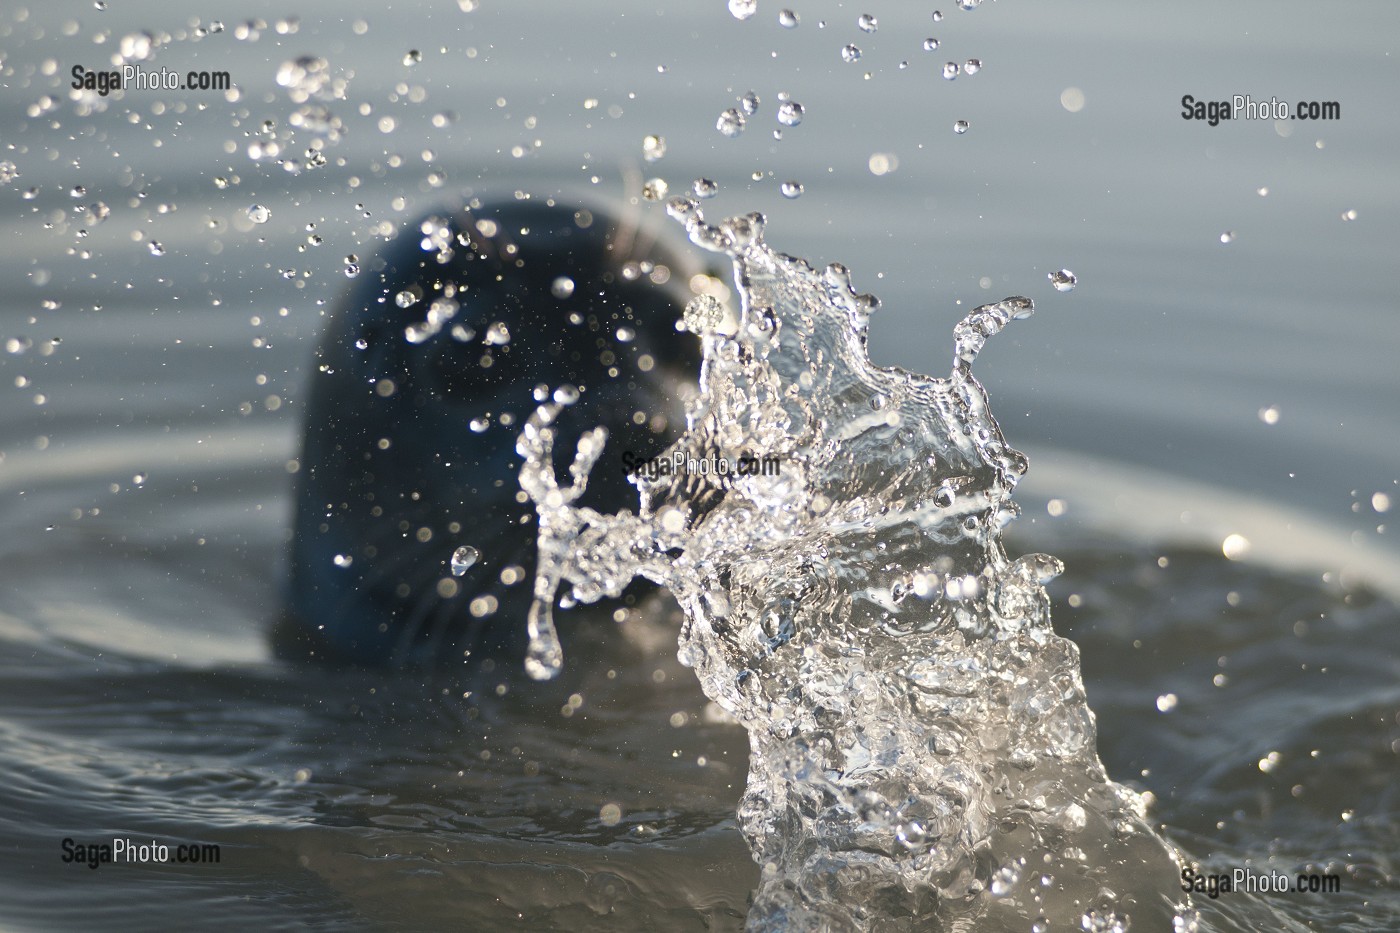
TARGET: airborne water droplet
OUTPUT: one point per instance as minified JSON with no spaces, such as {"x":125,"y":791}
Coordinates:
{"x":463,"y":558}
{"x":791,"y":189}
{"x":730,"y":123}
{"x":155,"y":248}
{"x":259,"y":214}
{"x":790,"y":113}
{"x":938,"y":16}
{"x":867,"y":22}
{"x":743,"y":9}
{"x":749,"y":103}
{"x":1063,"y":280}
{"x":930,"y":44}
{"x":788,"y":19}
{"x":850,"y":54}
{"x":704,"y":188}
{"x":654,"y":189}
{"x":653,"y":148}
{"x":1227,"y":237}
{"x":562,"y":287}
{"x":960,"y":127}
{"x":950,"y":71}
{"x":703,"y":314}
{"x":413,"y":57}
{"x":972,"y":66}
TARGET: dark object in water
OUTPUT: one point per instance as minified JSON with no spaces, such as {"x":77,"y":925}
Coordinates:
{"x":409,"y":444}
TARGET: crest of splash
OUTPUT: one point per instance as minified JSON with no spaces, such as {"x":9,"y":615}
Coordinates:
{"x":921,"y":751}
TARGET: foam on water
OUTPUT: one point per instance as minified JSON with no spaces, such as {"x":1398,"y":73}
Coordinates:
{"x":922,"y":754}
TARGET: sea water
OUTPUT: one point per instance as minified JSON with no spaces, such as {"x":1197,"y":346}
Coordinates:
{"x":1188,"y":392}
{"x":921,"y":752}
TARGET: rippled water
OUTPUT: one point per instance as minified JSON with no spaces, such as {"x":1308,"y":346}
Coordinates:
{"x":1187,"y":390}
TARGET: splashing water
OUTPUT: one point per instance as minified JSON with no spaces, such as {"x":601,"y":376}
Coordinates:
{"x":922,"y":755}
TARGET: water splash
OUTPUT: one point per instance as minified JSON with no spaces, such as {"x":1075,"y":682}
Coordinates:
{"x":922,"y":755}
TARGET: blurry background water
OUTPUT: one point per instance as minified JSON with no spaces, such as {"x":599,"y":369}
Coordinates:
{"x":1221,"y":381}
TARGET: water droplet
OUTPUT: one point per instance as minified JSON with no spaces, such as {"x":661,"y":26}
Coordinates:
{"x":930,"y":44}
{"x":1166,"y":702}
{"x":938,"y":16}
{"x":626,"y":335}
{"x":259,"y":214}
{"x":790,"y":113}
{"x":969,"y":4}
{"x":412,"y":58}
{"x":867,"y":22}
{"x":361,"y":344}
{"x":749,"y":103}
{"x":155,"y":248}
{"x":139,"y":479}
{"x":1263,"y":192}
{"x":1227,"y":237}
{"x":653,"y":148}
{"x":703,"y":314}
{"x":1269,"y":415}
{"x":654,"y":189}
{"x":730,"y":123}
{"x":972,"y":66}
{"x":791,"y":189}
{"x":1063,"y":280}
{"x":566,"y":395}
{"x":562,"y":287}
{"x":743,"y":9}
{"x":850,"y":54}
{"x":96,"y":212}
{"x":1235,"y":546}
{"x":343,"y":560}
{"x":352,"y":266}
{"x":1349,"y":214}
{"x":960,"y":127}
{"x":463,"y":558}
{"x":405,"y":299}
{"x":497,"y":335}
{"x":788,"y":19}
{"x":950,"y":71}
{"x":77,"y":191}
{"x":704,"y":188}
{"x":479,"y":424}
{"x":1004,"y":880}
